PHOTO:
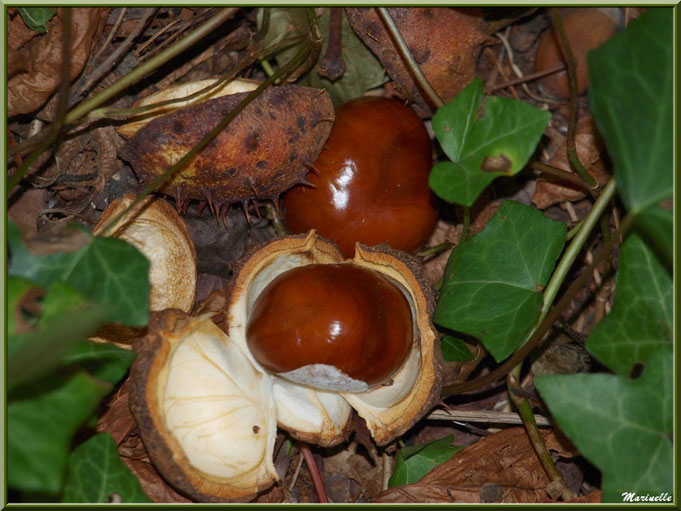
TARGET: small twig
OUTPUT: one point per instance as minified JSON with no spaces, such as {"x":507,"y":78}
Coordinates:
{"x":534,"y":435}
{"x":387,"y":470}
{"x":483,"y":417}
{"x":572,"y":118}
{"x":333,"y":65}
{"x":409,"y":59}
{"x":110,"y":61}
{"x":525,"y":78}
{"x":314,"y":473}
{"x":138,"y":51}
{"x":112,"y":34}
{"x":560,"y":174}
{"x":296,"y":472}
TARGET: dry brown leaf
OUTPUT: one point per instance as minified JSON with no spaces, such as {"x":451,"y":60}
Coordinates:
{"x":24,"y":208}
{"x":34,"y":63}
{"x":506,"y":459}
{"x":350,"y":475}
{"x":590,"y":150}
{"x":444,"y":41}
{"x":117,"y":419}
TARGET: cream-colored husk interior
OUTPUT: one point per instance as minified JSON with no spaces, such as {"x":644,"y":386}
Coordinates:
{"x":219,"y":408}
{"x":299,"y":407}
{"x":172,"y":273}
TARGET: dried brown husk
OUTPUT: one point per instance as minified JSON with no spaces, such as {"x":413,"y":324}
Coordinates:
{"x":150,"y":379}
{"x":264,"y":151}
{"x":444,"y":41}
{"x":34,"y":61}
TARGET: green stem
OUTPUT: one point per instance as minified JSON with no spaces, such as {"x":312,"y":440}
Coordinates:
{"x":266,"y":66}
{"x":536,"y":439}
{"x":435,"y":250}
{"x":576,"y":245}
{"x":409,"y":59}
{"x":159,"y":181}
{"x":560,"y":174}
{"x":575,"y":229}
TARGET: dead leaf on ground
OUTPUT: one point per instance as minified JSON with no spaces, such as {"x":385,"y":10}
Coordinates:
{"x":506,"y":459}
{"x":117,"y":419}
{"x":350,"y":476}
{"x":153,"y":484}
{"x":34,"y":62}
{"x":590,"y":149}
{"x":445,"y":43}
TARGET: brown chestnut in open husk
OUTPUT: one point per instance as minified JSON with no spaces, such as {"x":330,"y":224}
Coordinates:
{"x":208,"y":409}
{"x":323,"y":323}
{"x":372,"y":181}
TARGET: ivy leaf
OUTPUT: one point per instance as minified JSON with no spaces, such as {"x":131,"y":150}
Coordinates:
{"x":104,"y":361}
{"x":96,"y":473}
{"x":363,"y":71}
{"x":622,"y":426}
{"x":494,"y":280}
{"x":484,"y":138}
{"x":36,"y":18}
{"x":41,"y":421}
{"x":109,"y":272}
{"x":414,"y":462}
{"x":641,"y":319}
{"x":66,"y":317}
{"x":454,"y":349}
{"x":632,"y":100}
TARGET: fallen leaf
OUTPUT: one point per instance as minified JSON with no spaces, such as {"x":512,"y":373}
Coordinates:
{"x":117,"y":419}
{"x":152,"y":483}
{"x":506,"y":458}
{"x":34,"y":64}
{"x":445,"y":43}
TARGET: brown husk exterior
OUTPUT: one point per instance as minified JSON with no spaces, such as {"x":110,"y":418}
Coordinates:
{"x":260,"y":154}
{"x":152,"y":352}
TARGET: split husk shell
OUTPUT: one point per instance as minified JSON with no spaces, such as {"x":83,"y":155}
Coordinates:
{"x":264,"y":151}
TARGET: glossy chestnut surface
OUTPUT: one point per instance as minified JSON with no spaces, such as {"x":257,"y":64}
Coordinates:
{"x":342,"y":315}
{"x":373,"y":180}
{"x":586,"y":28}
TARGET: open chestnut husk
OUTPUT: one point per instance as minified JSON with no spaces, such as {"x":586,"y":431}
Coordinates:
{"x":200,"y":394}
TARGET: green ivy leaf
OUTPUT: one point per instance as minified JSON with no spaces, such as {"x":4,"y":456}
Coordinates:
{"x":414,"y":462}
{"x":622,"y":426}
{"x":632,"y":100}
{"x":96,"y":473}
{"x":109,"y":272}
{"x":363,"y":71}
{"x":66,"y":317}
{"x":493,"y":282}
{"x":484,"y":138}
{"x":641,"y":319}
{"x":36,"y":18}
{"x":454,"y":349}
{"x":41,"y":421}
{"x":104,"y":361}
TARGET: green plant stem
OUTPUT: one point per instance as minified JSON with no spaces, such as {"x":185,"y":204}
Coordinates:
{"x":576,"y":245}
{"x":159,"y":181}
{"x":549,"y":317}
{"x":266,"y":66}
{"x":466,"y":230}
{"x":572,"y":118}
{"x":536,"y":439}
{"x":573,"y":232}
{"x":409,"y":59}
{"x":560,"y":174}
{"x":136,"y":74}
{"x":435,"y":250}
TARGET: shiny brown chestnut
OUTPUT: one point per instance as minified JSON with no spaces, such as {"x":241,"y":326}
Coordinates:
{"x":371,"y":180}
{"x":339,"y":315}
{"x":586,"y":29}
